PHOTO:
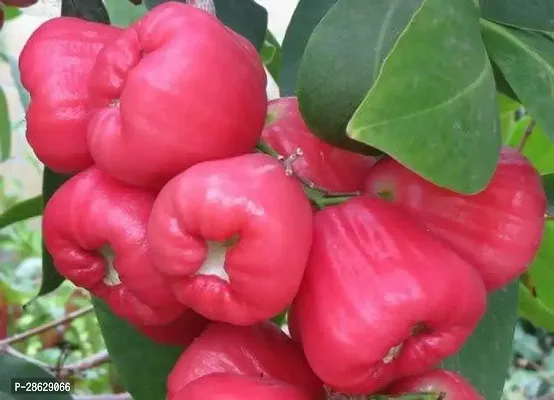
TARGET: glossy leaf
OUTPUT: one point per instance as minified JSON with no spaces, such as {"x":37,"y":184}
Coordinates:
{"x":243,"y":16}
{"x":526,"y":59}
{"x":549,"y":35}
{"x":5,"y":128}
{"x":90,"y":10}
{"x":534,"y":310}
{"x":343,"y":59}
{"x":51,"y":279}
{"x":142,"y":365}
{"x":305,"y":18}
{"x":502,"y":84}
{"x":536,"y":14}
{"x":541,"y":271}
{"x":12,"y":367}
{"x":21,"y":211}
{"x":271,"y":55}
{"x":440,"y":119}
{"x":123,"y":13}
{"x":485,"y":358}
{"x":538,"y":148}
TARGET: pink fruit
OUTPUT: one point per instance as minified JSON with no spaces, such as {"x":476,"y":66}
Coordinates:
{"x":497,"y":230}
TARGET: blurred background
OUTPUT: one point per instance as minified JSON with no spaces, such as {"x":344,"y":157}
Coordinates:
{"x":531,"y":372}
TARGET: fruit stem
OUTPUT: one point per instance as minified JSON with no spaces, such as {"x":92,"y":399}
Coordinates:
{"x":320,"y":196}
{"x":267,"y":149}
{"x":527,"y":135}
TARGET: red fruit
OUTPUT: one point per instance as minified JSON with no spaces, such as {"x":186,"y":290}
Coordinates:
{"x":454,"y":386}
{"x":497,"y":230}
{"x":381,"y":298}
{"x":260,"y":351}
{"x":180,"y":332}
{"x":55,"y":67}
{"x":176,"y":88}
{"x":95,"y":229}
{"x":19,"y":3}
{"x":238,"y":387}
{"x":232,"y":237}
{"x":329,"y":167}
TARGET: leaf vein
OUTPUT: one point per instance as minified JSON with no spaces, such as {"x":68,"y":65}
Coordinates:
{"x":468,"y":89}
{"x":381,"y":38}
{"x":513,"y":38}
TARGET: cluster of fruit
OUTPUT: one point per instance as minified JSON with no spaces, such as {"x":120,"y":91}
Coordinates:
{"x":179,"y":221}
{"x":13,"y":3}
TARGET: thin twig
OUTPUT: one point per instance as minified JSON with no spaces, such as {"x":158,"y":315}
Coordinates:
{"x":267,"y":149}
{"x":43,"y":328}
{"x":68,"y":370}
{"x":296,"y":155}
{"x":85,"y":364}
{"x":527,"y":134}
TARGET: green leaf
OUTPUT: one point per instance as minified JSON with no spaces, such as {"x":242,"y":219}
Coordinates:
{"x":440,"y":119}
{"x":12,"y":367}
{"x":541,"y":271}
{"x":343,"y":59}
{"x":243,"y":16}
{"x":123,"y":13}
{"x":5,"y":128}
{"x":142,"y":365}
{"x":548,"y":184}
{"x":11,"y":12}
{"x":507,"y":104}
{"x":51,"y":279}
{"x":534,"y":310}
{"x":271,"y":55}
{"x":21,"y":211}
{"x":538,"y":149}
{"x":90,"y":10}
{"x":305,"y":18}
{"x":535,"y":15}
{"x":485,"y":358}
{"x":502,"y":84}
{"x":526,"y":59}
{"x":549,"y":35}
